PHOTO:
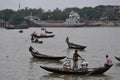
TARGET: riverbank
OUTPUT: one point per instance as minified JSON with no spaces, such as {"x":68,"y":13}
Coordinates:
{"x":105,"y":23}
{"x":87,"y":24}
{"x":62,"y":25}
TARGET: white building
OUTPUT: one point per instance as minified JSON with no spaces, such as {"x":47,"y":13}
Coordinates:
{"x":74,"y":18}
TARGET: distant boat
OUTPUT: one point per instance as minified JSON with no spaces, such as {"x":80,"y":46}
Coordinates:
{"x":42,"y":28}
{"x":20,"y":31}
{"x":43,"y":56}
{"x":33,"y":41}
{"x":44,"y":36}
{"x":81,"y":71}
{"x":48,"y":32}
{"x":118,"y":58}
{"x":74,"y":46}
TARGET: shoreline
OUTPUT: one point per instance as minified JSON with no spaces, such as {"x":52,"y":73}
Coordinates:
{"x":87,"y":24}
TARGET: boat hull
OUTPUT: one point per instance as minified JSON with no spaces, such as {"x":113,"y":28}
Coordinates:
{"x":118,"y":58}
{"x":37,"y":42}
{"x":75,"y":46}
{"x":47,"y":36}
{"x":46,"y":57}
{"x":89,"y":71}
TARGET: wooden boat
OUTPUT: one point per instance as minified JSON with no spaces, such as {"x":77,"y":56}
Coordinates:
{"x":48,"y":32}
{"x":42,"y":28}
{"x":81,"y":71}
{"x":36,"y":41}
{"x":74,"y":46}
{"x":36,"y":54}
{"x":118,"y":58}
{"x":44,"y":36}
{"x":21,"y":31}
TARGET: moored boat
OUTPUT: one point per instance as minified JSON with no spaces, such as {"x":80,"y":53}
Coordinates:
{"x":88,"y":71}
{"x":118,"y":58}
{"x":36,"y":54}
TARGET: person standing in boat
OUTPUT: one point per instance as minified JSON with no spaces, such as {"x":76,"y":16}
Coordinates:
{"x":32,"y":37}
{"x":75,"y":60}
{"x":67,"y":39}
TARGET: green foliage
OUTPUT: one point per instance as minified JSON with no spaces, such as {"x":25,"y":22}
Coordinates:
{"x":16,"y":19}
{"x":6,"y":14}
{"x":88,"y":13}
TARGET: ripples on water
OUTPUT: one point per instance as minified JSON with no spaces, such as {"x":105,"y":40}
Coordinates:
{"x":16,"y":62}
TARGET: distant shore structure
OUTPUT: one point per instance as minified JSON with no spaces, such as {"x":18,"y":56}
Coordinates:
{"x":74,"y":20}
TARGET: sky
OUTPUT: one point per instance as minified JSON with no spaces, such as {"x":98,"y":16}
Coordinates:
{"x":53,"y":4}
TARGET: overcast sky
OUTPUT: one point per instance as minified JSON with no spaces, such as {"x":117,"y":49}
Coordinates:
{"x":52,"y":4}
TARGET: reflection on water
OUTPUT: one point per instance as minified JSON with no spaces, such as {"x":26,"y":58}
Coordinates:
{"x":117,"y":64}
{"x":34,"y":67}
{"x":53,"y":76}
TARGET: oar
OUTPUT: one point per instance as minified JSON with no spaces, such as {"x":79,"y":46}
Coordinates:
{"x":72,"y":58}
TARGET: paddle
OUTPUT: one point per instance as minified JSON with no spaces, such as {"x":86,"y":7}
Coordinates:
{"x":72,"y":58}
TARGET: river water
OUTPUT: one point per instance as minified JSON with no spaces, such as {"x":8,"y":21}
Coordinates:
{"x":16,"y":62}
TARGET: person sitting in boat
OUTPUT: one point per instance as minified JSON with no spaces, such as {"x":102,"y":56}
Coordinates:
{"x":84,"y":64}
{"x":66,"y":64}
{"x":75,"y":60}
{"x":34,"y":34}
{"x":36,"y":40}
{"x":108,"y":61}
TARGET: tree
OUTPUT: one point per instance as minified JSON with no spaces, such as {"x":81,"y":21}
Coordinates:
{"x":6,"y":14}
{"x":16,"y":19}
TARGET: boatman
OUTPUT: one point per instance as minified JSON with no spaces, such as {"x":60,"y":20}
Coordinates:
{"x":75,"y":60}
{"x":67,"y":39}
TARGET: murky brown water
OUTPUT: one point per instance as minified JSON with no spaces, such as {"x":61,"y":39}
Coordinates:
{"x":16,"y":62}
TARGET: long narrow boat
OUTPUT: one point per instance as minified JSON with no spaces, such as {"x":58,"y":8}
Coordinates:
{"x":118,"y":58}
{"x":48,"y":32}
{"x":44,"y":36}
{"x":73,"y":45}
{"x":81,"y":71}
{"x":36,"y":54}
{"x":37,"y":41}
{"x":76,"y":46}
